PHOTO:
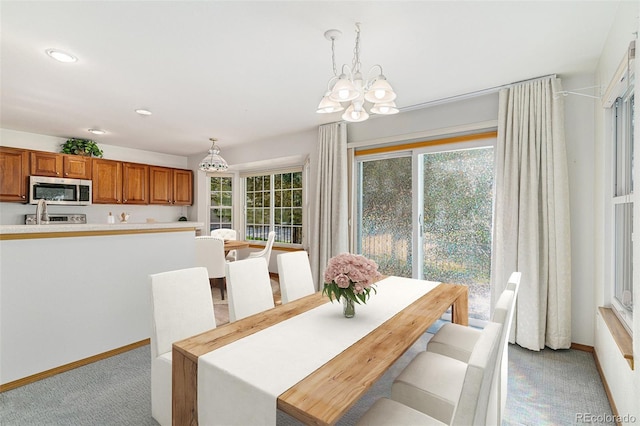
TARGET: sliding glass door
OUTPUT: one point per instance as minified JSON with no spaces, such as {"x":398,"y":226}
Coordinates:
{"x":385,"y":213}
{"x":427,"y":214}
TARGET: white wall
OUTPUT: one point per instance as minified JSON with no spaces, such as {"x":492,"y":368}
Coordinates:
{"x":579,"y":134}
{"x":623,"y":382}
{"x":66,"y":299}
{"x":13,"y":213}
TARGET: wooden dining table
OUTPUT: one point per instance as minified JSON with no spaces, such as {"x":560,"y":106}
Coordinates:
{"x":234,"y":245}
{"x":326,"y":394}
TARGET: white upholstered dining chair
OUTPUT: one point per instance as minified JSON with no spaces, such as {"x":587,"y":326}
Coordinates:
{"x":227,"y":234}
{"x":266,"y":252}
{"x":295,"y":276}
{"x":210,"y":254}
{"x":248,"y":288}
{"x":181,"y":306}
{"x":423,"y":392}
{"x":457,"y":341}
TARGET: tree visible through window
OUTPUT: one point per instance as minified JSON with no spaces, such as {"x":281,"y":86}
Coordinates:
{"x":429,"y":216}
{"x":221,"y":204}
{"x":458,"y":203}
{"x":274,"y":202}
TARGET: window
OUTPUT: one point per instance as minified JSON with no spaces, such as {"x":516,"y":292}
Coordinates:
{"x":426,"y":211}
{"x":221,"y":202}
{"x":274,"y":202}
{"x":622,"y":205}
{"x":619,"y":98}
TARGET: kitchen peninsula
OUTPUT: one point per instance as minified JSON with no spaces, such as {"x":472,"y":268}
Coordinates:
{"x":72,"y":293}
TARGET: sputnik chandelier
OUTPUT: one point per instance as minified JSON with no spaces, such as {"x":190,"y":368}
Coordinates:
{"x":351,"y":90}
{"x":213,"y":162}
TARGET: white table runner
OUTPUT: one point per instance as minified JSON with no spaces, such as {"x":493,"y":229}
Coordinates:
{"x":239,"y":384}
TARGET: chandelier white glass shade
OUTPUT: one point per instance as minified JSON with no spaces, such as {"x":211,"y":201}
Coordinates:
{"x":213,"y":162}
{"x":349,"y":90}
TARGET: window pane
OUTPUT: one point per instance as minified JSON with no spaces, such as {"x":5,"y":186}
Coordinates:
{"x":624,"y":255}
{"x":297,"y":198}
{"x":277,"y":219}
{"x":286,"y":216}
{"x":215,"y":198}
{"x":272,"y":201}
{"x":226,"y":199}
{"x":226,"y":184}
{"x":297,"y":180}
{"x":297,"y":216}
{"x":286,"y":198}
{"x":458,"y":197}
{"x":220,"y":202}
{"x":286,"y":180}
{"x":624,"y":108}
{"x":385,"y":214}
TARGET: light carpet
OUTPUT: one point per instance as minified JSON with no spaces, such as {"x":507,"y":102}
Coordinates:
{"x":545,"y":388}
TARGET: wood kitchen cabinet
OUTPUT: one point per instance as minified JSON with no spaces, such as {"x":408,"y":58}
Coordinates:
{"x":170,"y":186}
{"x":117,"y":182}
{"x":135,"y":183}
{"x":14,"y":174}
{"x":60,"y":165}
{"x":107,"y":181}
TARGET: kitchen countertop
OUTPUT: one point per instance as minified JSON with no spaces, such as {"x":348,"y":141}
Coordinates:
{"x":97,"y":228}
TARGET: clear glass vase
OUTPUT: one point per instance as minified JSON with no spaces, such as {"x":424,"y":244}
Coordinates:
{"x":348,"y":307}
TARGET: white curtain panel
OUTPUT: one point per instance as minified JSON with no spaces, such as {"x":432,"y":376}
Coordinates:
{"x":531,"y":231}
{"x":330,"y":233}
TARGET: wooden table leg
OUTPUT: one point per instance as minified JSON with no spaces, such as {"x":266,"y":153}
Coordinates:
{"x":184,"y":390}
{"x":460,"y":308}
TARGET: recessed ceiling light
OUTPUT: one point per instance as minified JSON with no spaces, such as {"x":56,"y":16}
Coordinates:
{"x":97,"y":131}
{"x":142,"y":111}
{"x":61,"y":56}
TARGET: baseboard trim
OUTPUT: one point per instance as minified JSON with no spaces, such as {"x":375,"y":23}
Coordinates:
{"x":67,"y":367}
{"x":607,"y":391}
{"x":581,"y":347}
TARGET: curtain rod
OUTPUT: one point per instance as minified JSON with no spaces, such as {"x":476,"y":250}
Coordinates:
{"x":472,"y":94}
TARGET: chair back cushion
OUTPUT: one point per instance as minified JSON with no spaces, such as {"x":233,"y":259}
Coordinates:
{"x":225,"y":234}
{"x":474,"y":397}
{"x":181,"y":306}
{"x":295,"y":276}
{"x":266,"y":251}
{"x":210,"y":254}
{"x":248,"y":287}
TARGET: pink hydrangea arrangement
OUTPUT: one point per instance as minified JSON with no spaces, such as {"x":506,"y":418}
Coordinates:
{"x":351,"y":276}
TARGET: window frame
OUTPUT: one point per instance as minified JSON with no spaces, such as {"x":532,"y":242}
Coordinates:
{"x":620,"y":87}
{"x":621,"y":117}
{"x":231,"y":177}
{"x":415,"y":151}
{"x":303,"y":170}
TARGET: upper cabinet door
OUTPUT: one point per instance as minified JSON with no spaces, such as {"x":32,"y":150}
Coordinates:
{"x":76,"y":166}
{"x":46,"y":164}
{"x":14,"y":172}
{"x":183,"y":187}
{"x":107,"y":181}
{"x":160,"y":185}
{"x":135,"y":179}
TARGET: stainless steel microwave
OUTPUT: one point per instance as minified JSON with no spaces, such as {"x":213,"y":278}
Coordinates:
{"x":76,"y":192}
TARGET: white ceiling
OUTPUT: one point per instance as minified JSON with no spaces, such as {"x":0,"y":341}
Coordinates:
{"x":247,"y":71}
